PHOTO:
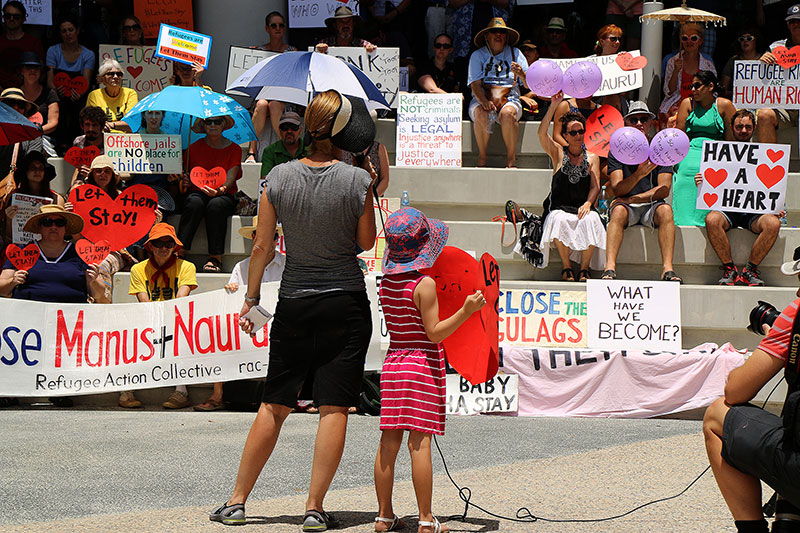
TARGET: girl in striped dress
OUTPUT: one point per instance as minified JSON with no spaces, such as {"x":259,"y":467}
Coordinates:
{"x":413,"y":376}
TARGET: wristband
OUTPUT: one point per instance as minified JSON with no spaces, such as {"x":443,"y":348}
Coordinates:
{"x":252,"y":300}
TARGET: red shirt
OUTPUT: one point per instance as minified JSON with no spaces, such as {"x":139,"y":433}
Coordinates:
{"x":200,"y":154}
{"x":776,"y":343}
{"x":9,"y":57}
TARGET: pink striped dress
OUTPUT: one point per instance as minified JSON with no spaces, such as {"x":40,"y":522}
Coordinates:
{"x":413,"y":376}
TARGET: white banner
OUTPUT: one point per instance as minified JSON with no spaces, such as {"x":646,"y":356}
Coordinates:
{"x":634,"y":315}
{"x":67,"y":349}
{"x":38,"y":11}
{"x":540,"y":318}
{"x":374,"y":256}
{"x":429,"y":130}
{"x":27,"y":206}
{"x":144,"y":154}
{"x":498,"y":395}
{"x":758,"y":85}
{"x":312,"y":13}
{"x":615,"y":80}
{"x":382,"y":67}
{"x":240,"y":59}
{"x":142,"y":70}
{"x":743,"y":177}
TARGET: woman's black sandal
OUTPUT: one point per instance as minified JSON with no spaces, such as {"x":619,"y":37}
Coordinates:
{"x":567,"y":275}
{"x":609,"y":274}
{"x":584,"y":274}
{"x":670,"y":275}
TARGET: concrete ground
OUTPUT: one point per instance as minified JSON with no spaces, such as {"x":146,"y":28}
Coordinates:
{"x":114,"y":470}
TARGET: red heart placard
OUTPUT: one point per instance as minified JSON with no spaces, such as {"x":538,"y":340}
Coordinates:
{"x":79,"y":83}
{"x":23,"y":258}
{"x":81,"y":156}
{"x":469,"y":349}
{"x":769,"y":176}
{"x":604,"y":121}
{"x":715,"y":178}
{"x":92,"y":253}
{"x":121,"y":221}
{"x":773,"y":155}
{"x":627,"y":61}
{"x":787,"y":58}
{"x":214,"y":178}
{"x":489,"y":312}
{"x":135,"y":71}
{"x":710,"y":199}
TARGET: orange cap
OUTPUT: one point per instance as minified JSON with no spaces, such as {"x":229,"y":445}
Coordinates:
{"x":162,"y":229}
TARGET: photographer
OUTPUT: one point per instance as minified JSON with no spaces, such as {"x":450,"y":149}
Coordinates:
{"x":746,"y":444}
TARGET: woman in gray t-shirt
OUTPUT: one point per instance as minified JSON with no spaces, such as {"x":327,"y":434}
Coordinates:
{"x":322,"y":322}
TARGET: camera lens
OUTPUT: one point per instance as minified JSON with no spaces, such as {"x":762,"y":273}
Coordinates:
{"x":762,"y":314}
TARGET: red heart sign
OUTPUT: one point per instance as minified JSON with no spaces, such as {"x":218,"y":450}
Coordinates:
{"x":769,"y":176}
{"x":469,"y":349}
{"x":135,"y":71}
{"x":489,"y":312}
{"x":23,"y":258}
{"x":604,"y":121}
{"x":81,"y":156}
{"x":627,"y":61}
{"x":710,"y":199}
{"x":773,"y":155}
{"x":121,"y":221}
{"x":78,"y":83}
{"x":92,"y":253}
{"x":214,"y":178}
{"x":787,"y":58}
{"x":715,"y":178}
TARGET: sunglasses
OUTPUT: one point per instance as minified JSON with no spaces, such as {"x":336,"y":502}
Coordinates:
{"x":696,"y":85}
{"x":690,"y":38}
{"x":573,"y":133}
{"x":276,"y":25}
{"x":496,"y":31}
{"x":114,"y":74}
{"x":446,"y":46}
{"x":162,"y":244}
{"x":639,"y":120}
{"x":132,"y":27}
{"x":289,"y":127}
{"x":613,"y":38}
{"x":57,"y":222}
{"x":746,"y":38}
{"x":213,"y":121}
{"x":12,"y":16}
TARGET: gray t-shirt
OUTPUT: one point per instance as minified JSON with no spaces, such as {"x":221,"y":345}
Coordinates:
{"x":319,"y":208}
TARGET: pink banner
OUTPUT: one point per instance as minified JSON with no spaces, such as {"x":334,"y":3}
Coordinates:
{"x":619,"y":384}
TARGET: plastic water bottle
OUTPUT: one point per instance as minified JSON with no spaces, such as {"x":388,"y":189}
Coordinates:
{"x":490,"y":121}
{"x":602,"y":204}
{"x":784,"y":222}
{"x":404,"y":200}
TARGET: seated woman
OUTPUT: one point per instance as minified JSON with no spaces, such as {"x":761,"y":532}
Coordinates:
{"x":31,"y":70}
{"x":569,"y":221}
{"x":576,"y":106}
{"x":496,"y":72}
{"x":439,"y":75}
{"x":214,"y":206}
{"x":14,"y":98}
{"x":113,"y":98}
{"x":130,"y":31}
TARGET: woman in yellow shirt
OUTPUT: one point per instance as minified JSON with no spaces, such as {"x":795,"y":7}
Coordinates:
{"x":113,"y":98}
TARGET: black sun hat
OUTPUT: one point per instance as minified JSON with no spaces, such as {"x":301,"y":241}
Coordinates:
{"x":353,"y":129}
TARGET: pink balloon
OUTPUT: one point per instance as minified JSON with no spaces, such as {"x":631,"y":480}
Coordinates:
{"x":544,"y":78}
{"x":629,"y":146}
{"x":582,"y":79}
{"x":669,"y":147}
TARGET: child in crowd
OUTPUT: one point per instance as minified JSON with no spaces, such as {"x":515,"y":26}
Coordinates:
{"x":413,"y":376}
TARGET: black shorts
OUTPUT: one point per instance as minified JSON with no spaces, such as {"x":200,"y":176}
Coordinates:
{"x":320,"y":338}
{"x":752,"y":441}
{"x":741,"y":220}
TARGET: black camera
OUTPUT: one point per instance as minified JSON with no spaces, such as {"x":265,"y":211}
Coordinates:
{"x":763,"y":314}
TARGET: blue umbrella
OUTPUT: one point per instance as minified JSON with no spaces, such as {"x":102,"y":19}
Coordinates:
{"x":182,"y":105}
{"x":16,"y":128}
{"x":297,"y":77}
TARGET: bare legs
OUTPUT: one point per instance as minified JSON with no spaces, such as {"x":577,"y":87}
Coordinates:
{"x":766,"y":226}
{"x":507,"y":118}
{"x":391,"y":439}
{"x":481,"y":135}
{"x":666,"y":235}
{"x":328,"y":450}
{"x":266,"y":109}
{"x":563,"y":253}
{"x":617,"y":222}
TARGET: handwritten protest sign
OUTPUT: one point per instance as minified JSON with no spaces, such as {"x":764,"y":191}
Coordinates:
{"x":142,"y":70}
{"x":153,"y":13}
{"x":634,"y":315}
{"x":78,"y":83}
{"x":429,"y":130}
{"x":498,"y":395}
{"x":23,"y":258}
{"x":759,"y":85}
{"x":615,"y":79}
{"x":144,"y":154}
{"x":312,"y":13}
{"x":239,"y":60}
{"x":183,"y":46}
{"x":92,"y":253}
{"x":542,"y":318}
{"x":38,"y":11}
{"x":214,"y":178}
{"x":743,"y":177}
{"x":374,"y":256}
{"x":121,"y":221}
{"x":382,"y":67}
{"x":76,"y":156}
{"x":602,"y":123}
{"x":27,"y":206}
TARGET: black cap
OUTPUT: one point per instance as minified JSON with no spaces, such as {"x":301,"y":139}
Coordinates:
{"x":793,"y":12}
{"x":29,"y":59}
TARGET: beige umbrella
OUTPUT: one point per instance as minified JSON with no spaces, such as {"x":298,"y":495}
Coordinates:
{"x":684,"y":14}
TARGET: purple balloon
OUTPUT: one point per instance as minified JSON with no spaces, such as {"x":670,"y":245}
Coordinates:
{"x":629,"y":146}
{"x":669,"y":147}
{"x":582,"y":79}
{"x":544,"y":78}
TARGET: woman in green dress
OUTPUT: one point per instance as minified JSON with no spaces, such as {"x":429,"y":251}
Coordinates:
{"x":704,"y":117}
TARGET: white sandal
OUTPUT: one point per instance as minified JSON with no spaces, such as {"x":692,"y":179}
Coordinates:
{"x":437,"y":527}
{"x":394,"y":523}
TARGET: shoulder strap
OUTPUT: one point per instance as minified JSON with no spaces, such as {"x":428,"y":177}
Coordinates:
{"x":793,"y":360}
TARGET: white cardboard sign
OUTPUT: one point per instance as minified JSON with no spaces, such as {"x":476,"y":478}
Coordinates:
{"x":312,"y":13}
{"x":743,"y":177}
{"x":240,"y":59}
{"x":615,"y":80}
{"x":142,"y":70}
{"x":382,"y":67}
{"x":758,"y":85}
{"x":634,"y":315}
{"x":144,"y":154}
{"x":38,"y":11}
{"x":429,"y":130}
{"x":498,"y":395}
{"x":27,"y":206}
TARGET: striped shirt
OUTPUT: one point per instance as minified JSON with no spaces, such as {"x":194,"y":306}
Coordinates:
{"x":776,"y":343}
